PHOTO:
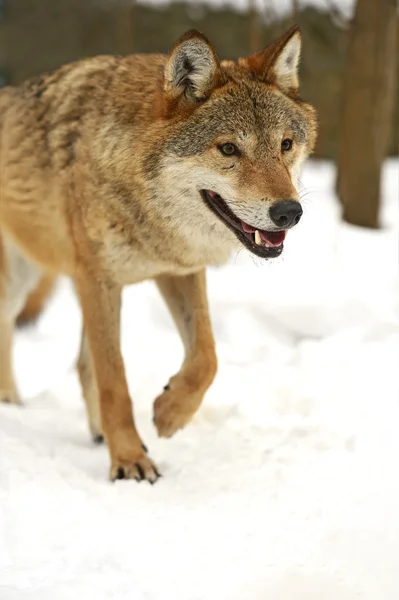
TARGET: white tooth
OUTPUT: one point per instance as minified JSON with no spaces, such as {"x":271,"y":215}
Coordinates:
{"x":258,"y":239}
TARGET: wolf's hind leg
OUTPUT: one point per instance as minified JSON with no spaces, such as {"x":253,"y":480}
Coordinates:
{"x":19,"y":276}
{"x":187,"y":302}
{"x":8,"y":390}
{"x":36,"y":300}
{"x":89,"y":389}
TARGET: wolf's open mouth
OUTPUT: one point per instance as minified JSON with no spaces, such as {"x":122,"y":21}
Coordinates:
{"x":266,"y":244}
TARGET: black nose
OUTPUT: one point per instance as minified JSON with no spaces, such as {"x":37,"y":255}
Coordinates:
{"x":286,"y":213}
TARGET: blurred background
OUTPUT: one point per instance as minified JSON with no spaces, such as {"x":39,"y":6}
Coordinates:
{"x":348,"y":71}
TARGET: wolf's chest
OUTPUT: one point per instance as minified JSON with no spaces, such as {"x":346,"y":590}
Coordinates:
{"x":129,"y":261}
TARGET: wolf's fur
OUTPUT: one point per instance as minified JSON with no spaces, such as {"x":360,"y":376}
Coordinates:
{"x":101,"y":165}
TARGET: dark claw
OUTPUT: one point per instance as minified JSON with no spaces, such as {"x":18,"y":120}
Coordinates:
{"x":166,"y":387}
{"x":141,"y":471}
{"x":157,"y":473}
{"x":98,"y":439}
{"x":144,"y":448}
{"x":120,"y":474}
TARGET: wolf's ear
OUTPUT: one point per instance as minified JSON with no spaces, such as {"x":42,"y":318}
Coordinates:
{"x":192,"y":69}
{"x":279,"y":62}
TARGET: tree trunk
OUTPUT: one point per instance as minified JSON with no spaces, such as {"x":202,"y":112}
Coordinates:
{"x":368,"y":109}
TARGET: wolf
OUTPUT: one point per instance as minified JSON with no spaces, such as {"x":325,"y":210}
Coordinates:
{"x":115,"y":170}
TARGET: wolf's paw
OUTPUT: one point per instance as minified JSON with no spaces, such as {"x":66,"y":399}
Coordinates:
{"x":10,"y":397}
{"x":95,"y":430}
{"x":173,"y":410}
{"x":140,"y":468}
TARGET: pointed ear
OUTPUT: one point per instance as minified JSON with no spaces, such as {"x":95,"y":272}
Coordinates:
{"x":279,"y":62}
{"x":192,"y":69}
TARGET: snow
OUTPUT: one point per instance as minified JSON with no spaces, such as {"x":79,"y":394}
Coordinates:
{"x":284,"y":487}
{"x":279,"y":7}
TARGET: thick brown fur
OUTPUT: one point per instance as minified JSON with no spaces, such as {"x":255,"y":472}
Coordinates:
{"x":101,"y":167}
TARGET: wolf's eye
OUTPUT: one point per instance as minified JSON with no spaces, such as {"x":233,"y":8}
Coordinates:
{"x":286,"y":145}
{"x":228,"y":149}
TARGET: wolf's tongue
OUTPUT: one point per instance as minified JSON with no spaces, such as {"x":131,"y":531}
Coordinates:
{"x":274,"y":238}
{"x":248,"y":228}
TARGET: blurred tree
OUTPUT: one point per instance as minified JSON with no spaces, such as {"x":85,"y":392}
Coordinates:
{"x":126,"y":27}
{"x":254,"y":27}
{"x":367,"y":118}
{"x":295,"y":11}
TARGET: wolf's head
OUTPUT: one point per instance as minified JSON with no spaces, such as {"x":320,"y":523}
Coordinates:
{"x":235,"y":136}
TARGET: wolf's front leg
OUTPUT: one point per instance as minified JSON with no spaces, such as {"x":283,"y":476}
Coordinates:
{"x":100,"y":299}
{"x":187,"y":302}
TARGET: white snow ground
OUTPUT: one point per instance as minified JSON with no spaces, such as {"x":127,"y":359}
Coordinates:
{"x":285,"y":487}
